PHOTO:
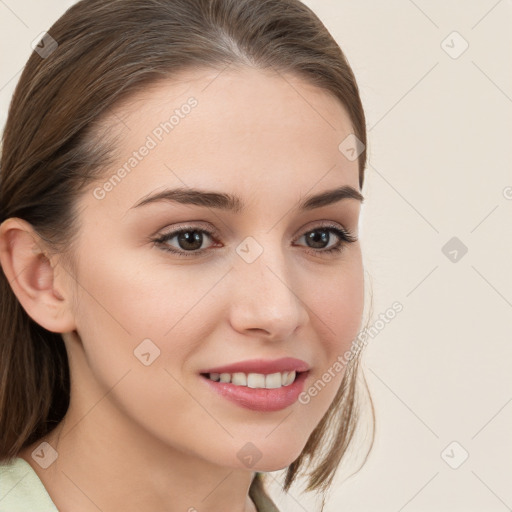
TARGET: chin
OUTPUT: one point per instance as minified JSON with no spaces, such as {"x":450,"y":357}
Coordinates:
{"x":275,"y":459}
{"x":269,"y":467}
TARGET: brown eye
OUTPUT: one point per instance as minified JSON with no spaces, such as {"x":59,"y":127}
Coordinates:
{"x":188,"y":240}
{"x":318,"y":238}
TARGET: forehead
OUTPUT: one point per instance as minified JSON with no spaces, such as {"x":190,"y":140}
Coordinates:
{"x":252,"y":88}
{"x":247,"y":128}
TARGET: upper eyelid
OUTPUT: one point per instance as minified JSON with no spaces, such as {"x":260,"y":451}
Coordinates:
{"x":199,"y":227}
{"x":212,"y":232}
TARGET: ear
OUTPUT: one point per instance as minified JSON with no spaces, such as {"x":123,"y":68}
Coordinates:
{"x":32,"y":277}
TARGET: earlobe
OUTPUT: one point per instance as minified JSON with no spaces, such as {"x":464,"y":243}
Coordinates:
{"x":33,"y":279}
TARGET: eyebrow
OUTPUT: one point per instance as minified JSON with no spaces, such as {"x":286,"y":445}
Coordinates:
{"x":228,"y":202}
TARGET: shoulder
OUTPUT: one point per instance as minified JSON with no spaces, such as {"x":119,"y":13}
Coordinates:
{"x":21,"y":489}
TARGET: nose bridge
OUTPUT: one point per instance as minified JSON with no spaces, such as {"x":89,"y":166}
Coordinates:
{"x":265,"y":296}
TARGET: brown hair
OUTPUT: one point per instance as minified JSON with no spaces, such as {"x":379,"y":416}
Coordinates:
{"x":107,"y":51}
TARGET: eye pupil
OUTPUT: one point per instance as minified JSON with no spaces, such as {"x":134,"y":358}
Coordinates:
{"x":196,"y":240}
{"x":323,"y":238}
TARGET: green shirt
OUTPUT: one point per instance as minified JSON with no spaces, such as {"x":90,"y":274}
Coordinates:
{"x":21,"y":490}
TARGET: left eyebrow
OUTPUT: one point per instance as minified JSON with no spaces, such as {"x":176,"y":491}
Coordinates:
{"x":329,"y":197}
{"x":228,"y":202}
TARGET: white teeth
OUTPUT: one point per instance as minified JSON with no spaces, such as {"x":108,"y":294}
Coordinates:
{"x":255,"y":380}
{"x":272,"y":381}
{"x":239,"y":379}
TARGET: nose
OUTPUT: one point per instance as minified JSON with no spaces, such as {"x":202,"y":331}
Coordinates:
{"x":266,"y":299}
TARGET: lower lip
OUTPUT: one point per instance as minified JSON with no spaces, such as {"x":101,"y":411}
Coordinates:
{"x":260,"y":399}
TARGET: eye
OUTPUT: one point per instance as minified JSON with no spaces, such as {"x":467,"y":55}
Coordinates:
{"x":319,"y":237}
{"x":189,"y":239}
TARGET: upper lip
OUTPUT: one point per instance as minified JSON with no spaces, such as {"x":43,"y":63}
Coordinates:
{"x":264,"y":366}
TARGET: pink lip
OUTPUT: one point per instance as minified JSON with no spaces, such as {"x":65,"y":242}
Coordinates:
{"x":259,"y":399}
{"x":264,"y":366}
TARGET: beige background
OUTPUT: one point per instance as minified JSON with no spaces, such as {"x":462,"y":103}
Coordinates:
{"x":440,"y":153}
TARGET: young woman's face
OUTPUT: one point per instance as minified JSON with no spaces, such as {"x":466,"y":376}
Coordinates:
{"x":235,"y":286}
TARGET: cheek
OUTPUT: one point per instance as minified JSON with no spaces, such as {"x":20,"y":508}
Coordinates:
{"x":138,"y":330}
{"x":126,"y":295}
{"x":130,"y":313}
{"x":339,"y":304}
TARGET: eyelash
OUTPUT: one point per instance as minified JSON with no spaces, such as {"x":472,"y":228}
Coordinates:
{"x":346,"y":237}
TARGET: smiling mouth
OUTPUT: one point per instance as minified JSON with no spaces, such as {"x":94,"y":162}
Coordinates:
{"x":255,"y":380}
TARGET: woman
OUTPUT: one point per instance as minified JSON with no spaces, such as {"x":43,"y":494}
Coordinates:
{"x":182,"y":277}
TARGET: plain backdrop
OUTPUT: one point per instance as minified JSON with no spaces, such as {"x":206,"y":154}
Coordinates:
{"x":436,"y":83}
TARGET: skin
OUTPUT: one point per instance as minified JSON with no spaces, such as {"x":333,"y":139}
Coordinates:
{"x":270,"y":139}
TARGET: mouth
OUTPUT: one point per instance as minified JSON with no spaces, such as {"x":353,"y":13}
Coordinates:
{"x":255,"y":380}
{"x":259,"y":385}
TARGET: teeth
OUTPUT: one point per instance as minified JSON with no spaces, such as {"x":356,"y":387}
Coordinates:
{"x":255,"y":380}
{"x":272,"y":381}
{"x":239,"y":379}
{"x":290,"y":379}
